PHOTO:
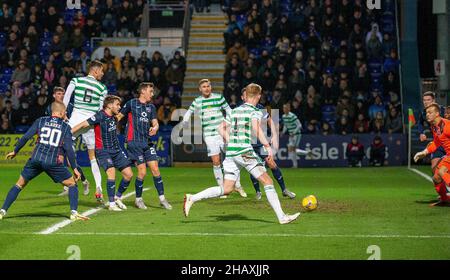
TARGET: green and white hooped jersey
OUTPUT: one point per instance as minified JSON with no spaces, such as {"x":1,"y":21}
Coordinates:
{"x":292,"y":123}
{"x":89,"y":94}
{"x":211,"y":112}
{"x":240,"y":122}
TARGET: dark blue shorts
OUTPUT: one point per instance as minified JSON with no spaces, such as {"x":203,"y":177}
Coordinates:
{"x":57,"y":172}
{"x":440,"y":152}
{"x":117,"y":159}
{"x":260,"y":152}
{"x":141,"y":153}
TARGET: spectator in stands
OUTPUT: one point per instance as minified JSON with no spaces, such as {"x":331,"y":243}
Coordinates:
{"x":377,"y":125}
{"x":68,"y":64}
{"x":388,"y":45}
{"x":361,"y":124}
{"x":125,"y":19}
{"x":27,"y":96}
{"x":374,"y":33}
{"x":326,"y":129}
{"x":108,"y":57}
{"x":109,"y":18}
{"x":131,"y":60}
{"x":165,"y":112}
{"x":311,"y":128}
{"x":329,"y":92}
{"x":21,"y":74}
{"x":158,"y":61}
{"x":127,"y":76}
{"x":173,"y":97}
{"x":23,"y":115}
{"x":8,"y":112}
{"x":345,"y":104}
{"x":17,"y":90}
{"x":158,"y":79}
{"x":5,"y":127}
{"x":343,"y":126}
{"x":141,"y":74}
{"x":110,"y":77}
{"x":241,"y":51}
{"x":391,"y":63}
{"x":84,"y":60}
{"x":354,"y":153}
{"x":374,"y":47}
{"x":200,"y":5}
{"x":311,"y":111}
{"x":378,"y":106}
{"x":394,"y":122}
{"x":175,"y":75}
{"x":40,"y":106}
{"x":144,"y":60}
{"x":50,"y":74}
{"x":77,"y":39}
{"x":377,"y":152}
{"x":179,"y":59}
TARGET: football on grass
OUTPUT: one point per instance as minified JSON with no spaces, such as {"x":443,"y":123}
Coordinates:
{"x":309,"y":202}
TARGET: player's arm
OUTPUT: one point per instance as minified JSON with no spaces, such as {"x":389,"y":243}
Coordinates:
{"x":421,"y":129}
{"x":80,"y":126}
{"x":257,"y":130}
{"x":68,"y":94}
{"x":154,"y":128}
{"x":299,"y":126}
{"x":224,"y":130}
{"x":188,"y":114}
{"x":274,"y":133}
{"x":224,"y":105}
{"x":431,"y":148}
{"x":24,"y":139}
{"x":70,"y":153}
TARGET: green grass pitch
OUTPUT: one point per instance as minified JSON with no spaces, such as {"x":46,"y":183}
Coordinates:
{"x":386,"y":207}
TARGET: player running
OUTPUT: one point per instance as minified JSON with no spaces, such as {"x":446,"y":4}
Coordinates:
{"x":54,"y":140}
{"x":142,"y":124}
{"x":429,"y":98}
{"x":440,"y":128}
{"x":89,"y":93}
{"x":237,"y":130}
{"x":58,"y":96}
{"x":262,"y":153}
{"x":108,"y":151}
{"x":210,"y":106}
{"x":293,"y":126}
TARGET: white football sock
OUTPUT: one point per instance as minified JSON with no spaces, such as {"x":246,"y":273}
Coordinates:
{"x":272,"y":197}
{"x":218,"y":174}
{"x":292,"y":156}
{"x":238,"y":181}
{"x":97,"y":175}
{"x":162,"y":198}
{"x":301,"y":152}
{"x":208,"y":193}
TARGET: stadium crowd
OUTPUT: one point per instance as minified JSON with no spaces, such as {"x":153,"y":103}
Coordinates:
{"x":43,"y":44}
{"x":334,"y":60}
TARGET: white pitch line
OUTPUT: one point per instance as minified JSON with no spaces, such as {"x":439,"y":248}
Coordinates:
{"x":67,"y":222}
{"x":385,"y":236}
{"x":420,"y":173}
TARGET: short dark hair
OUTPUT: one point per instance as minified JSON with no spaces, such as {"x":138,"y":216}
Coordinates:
{"x":95,"y":63}
{"x":429,"y":93}
{"x":144,"y":85}
{"x":109,"y":99}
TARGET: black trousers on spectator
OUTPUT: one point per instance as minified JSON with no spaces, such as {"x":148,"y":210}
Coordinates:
{"x":377,"y":157}
{"x":354,"y":160}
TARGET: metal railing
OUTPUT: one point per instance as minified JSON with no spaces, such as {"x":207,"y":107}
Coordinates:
{"x":186,"y":27}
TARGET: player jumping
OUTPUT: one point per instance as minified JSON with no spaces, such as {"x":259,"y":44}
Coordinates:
{"x":262,"y":153}
{"x":54,"y":140}
{"x":108,"y":151}
{"x":141,"y":125}
{"x":89,"y":94}
{"x":440,"y":128}
{"x":210,"y":106}
{"x":58,"y":96}
{"x":237,"y":130}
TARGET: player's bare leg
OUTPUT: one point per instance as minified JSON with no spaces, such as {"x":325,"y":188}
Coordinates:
{"x":292,"y":155}
{"x":127,"y":174}
{"x":12,"y":195}
{"x":274,"y":202}
{"x":111,"y":189}
{"x":441,"y":180}
{"x":97,"y":176}
{"x":73,"y":200}
{"x":159,"y":185}
{"x":139,"y":185}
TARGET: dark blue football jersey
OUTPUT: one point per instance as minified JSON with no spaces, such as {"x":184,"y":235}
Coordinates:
{"x":139,"y":120}
{"x":105,"y":128}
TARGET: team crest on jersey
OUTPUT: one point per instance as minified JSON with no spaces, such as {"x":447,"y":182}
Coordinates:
{"x":144,"y":114}
{"x":93,"y":118}
{"x":109,"y":161}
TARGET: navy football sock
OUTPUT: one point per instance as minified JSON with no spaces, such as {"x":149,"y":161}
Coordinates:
{"x":111,"y":189}
{"x":279,"y":177}
{"x":11,"y":197}
{"x":122,"y":187}
{"x":82,"y":177}
{"x":159,"y":184}
{"x":255,"y":183}
{"x":139,"y":186}
{"x":73,"y":197}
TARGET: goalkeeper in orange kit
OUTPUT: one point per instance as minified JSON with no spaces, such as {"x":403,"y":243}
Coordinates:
{"x":440,"y":128}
